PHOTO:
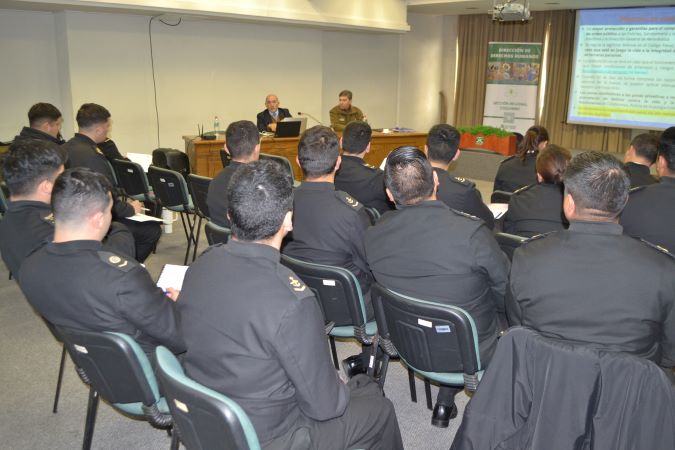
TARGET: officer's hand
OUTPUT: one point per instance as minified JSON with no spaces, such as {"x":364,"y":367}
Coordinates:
{"x":272,"y":126}
{"x":138,"y":206}
{"x":172,"y":293}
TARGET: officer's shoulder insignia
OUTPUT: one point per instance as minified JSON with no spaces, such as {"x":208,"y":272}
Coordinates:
{"x":98,"y":150}
{"x":507,"y":159}
{"x":536,"y":237}
{"x":463,"y":181}
{"x":49,"y":218}
{"x":296,"y":284}
{"x":657,"y":247}
{"x":365,"y":164}
{"x":463,"y":214}
{"x":114,"y":260}
{"x":522,"y":189}
{"x":636,"y":189}
{"x":349,"y":200}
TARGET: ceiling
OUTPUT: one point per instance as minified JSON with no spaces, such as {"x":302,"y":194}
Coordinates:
{"x":456,"y":7}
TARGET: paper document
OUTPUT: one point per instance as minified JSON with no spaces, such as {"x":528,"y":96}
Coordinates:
{"x":498,"y":209}
{"x":172,"y":276}
{"x":142,"y":159}
{"x":144,"y":218}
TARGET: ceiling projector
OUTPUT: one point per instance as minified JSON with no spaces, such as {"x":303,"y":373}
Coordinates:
{"x":510,"y":10}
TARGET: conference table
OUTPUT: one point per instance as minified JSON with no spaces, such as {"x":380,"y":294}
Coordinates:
{"x":205,"y":159}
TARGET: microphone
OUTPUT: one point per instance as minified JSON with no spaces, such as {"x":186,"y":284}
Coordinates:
{"x":311,"y":117}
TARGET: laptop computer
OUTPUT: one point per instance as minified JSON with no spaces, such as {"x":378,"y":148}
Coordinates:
{"x":291,"y":127}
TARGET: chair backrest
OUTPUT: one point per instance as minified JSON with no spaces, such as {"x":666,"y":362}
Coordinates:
{"x":169,"y":187}
{"x":205,"y":418}
{"x":199,"y":189}
{"x":3,"y":201}
{"x":131,"y":178}
{"x":281,"y":160}
{"x":336,"y":289}
{"x":429,"y":336}
{"x":225,"y":158}
{"x":114,"y":364}
{"x":216,"y":234}
{"x":500,"y":197}
{"x":172,"y":159}
{"x":373,"y":214}
{"x":509,"y":242}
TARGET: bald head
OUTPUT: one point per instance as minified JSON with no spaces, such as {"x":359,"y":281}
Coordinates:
{"x":272,"y":102}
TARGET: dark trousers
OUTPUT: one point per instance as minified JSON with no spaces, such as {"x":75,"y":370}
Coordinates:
{"x":369,"y":422}
{"x":146,"y":235}
{"x":446,"y":395}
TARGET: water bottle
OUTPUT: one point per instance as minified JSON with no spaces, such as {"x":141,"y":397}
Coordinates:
{"x":216,"y":126}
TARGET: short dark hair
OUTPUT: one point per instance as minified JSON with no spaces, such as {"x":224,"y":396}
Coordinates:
{"x":443,"y":143}
{"x":78,"y":193}
{"x":41,"y":112}
{"x":597,"y":182}
{"x":408,"y":175}
{"x":666,"y":147}
{"x":645,"y":146}
{"x":552,"y":163}
{"x":318,"y":151}
{"x":91,"y":114}
{"x":534,"y":136}
{"x":356,"y":137}
{"x":345,"y":93}
{"x":260,"y":195}
{"x":29,"y":162}
{"x":241,"y":137}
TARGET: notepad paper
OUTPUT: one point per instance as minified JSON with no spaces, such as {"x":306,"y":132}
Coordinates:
{"x":144,"y":218}
{"x":498,"y":209}
{"x":172,"y":276}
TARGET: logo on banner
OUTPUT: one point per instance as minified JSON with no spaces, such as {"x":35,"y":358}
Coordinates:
{"x":480,"y":140}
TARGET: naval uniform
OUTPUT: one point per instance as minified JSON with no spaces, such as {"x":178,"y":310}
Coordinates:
{"x":216,"y":198}
{"x":82,"y":152}
{"x":514,"y":173}
{"x":78,"y":284}
{"x":650,"y":213}
{"x":462,"y":195}
{"x":535,"y":209}
{"x":255,"y":333}
{"x":339,"y":118}
{"x":329,"y":228}
{"x":639,"y":174}
{"x":363,"y":182}
{"x":33,"y":133}
{"x":594,"y":285}
{"x":28,"y":225}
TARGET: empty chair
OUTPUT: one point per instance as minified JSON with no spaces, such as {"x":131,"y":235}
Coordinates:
{"x":172,"y":193}
{"x":509,"y":243}
{"x":281,"y":160}
{"x":340,"y":298}
{"x":116,"y":369}
{"x":133,"y":181}
{"x":199,"y":189}
{"x":215,"y":234}
{"x":172,"y":159}
{"x":204,"y":418}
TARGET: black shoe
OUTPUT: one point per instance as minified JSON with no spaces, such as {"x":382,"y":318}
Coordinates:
{"x":353,"y":366}
{"x":442,"y":415}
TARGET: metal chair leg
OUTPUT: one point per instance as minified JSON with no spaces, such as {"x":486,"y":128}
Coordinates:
{"x":427,"y":391}
{"x":175,"y":440}
{"x":411,"y":382}
{"x":90,"y":421}
{"x":59,"y":380}
{"x":199,"y":229}
{"x":333,"y":351}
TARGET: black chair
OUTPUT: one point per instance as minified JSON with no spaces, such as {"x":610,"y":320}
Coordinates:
{"x":283,"y":161}
{"x":225,"y":158}
{"x":133,"y":181}
{"x":171,"y":192}
{"x":215,"y":234}
{"x":500,"y":197}
{"x":3,"y":200}
{"x":204,"y":418}
{"x":373,"y":214}
{"x":340,"y":298}
{"x":437,"y":341}
{"x":199,"y":189}
{"x":116,"y":369}
{"x":509,"y":243}
{"x":171,"y":159}
{"x":59,"y":378}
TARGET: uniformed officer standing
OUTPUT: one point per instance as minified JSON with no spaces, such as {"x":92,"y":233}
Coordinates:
{"x":242,"y":142}
{"x":442,"y":148}
{"x":74,"y":282}
{"x":426,"y":250}
{"x":344,"y":112}
{"x":650,"y":212}
{"x":537,"y":208}
{"x":29,"y":170}
{"x":357,"y":178}
{"x":591,"y":283}
{"x":255,"y":332}
{"x":519,"y":170}
{"x":328,"y":225}
{"x":94,"y":124}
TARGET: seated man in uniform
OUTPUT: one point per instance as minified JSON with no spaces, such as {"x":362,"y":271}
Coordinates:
{"x":267,"y":119}
{"x":328,"y":226}
{"x":344,"y":112}
{"x":442,"y":148}
{"x":591,"y":283}
{"x":29,"y":170}
{"x":360,"y":180}
{"x":94,"y":124}
{"x":242,"y":142}
{"x":74,"y":282}
{"x":650,"y":212}
{"x":255,"y":332}
{"x":44,"y":123}
{"x":639,"y":158}
{"x":426,"y":250}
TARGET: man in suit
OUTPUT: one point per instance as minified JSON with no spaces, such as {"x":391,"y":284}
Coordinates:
{"x":267,"y":119}
{"x":639,"y":158}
